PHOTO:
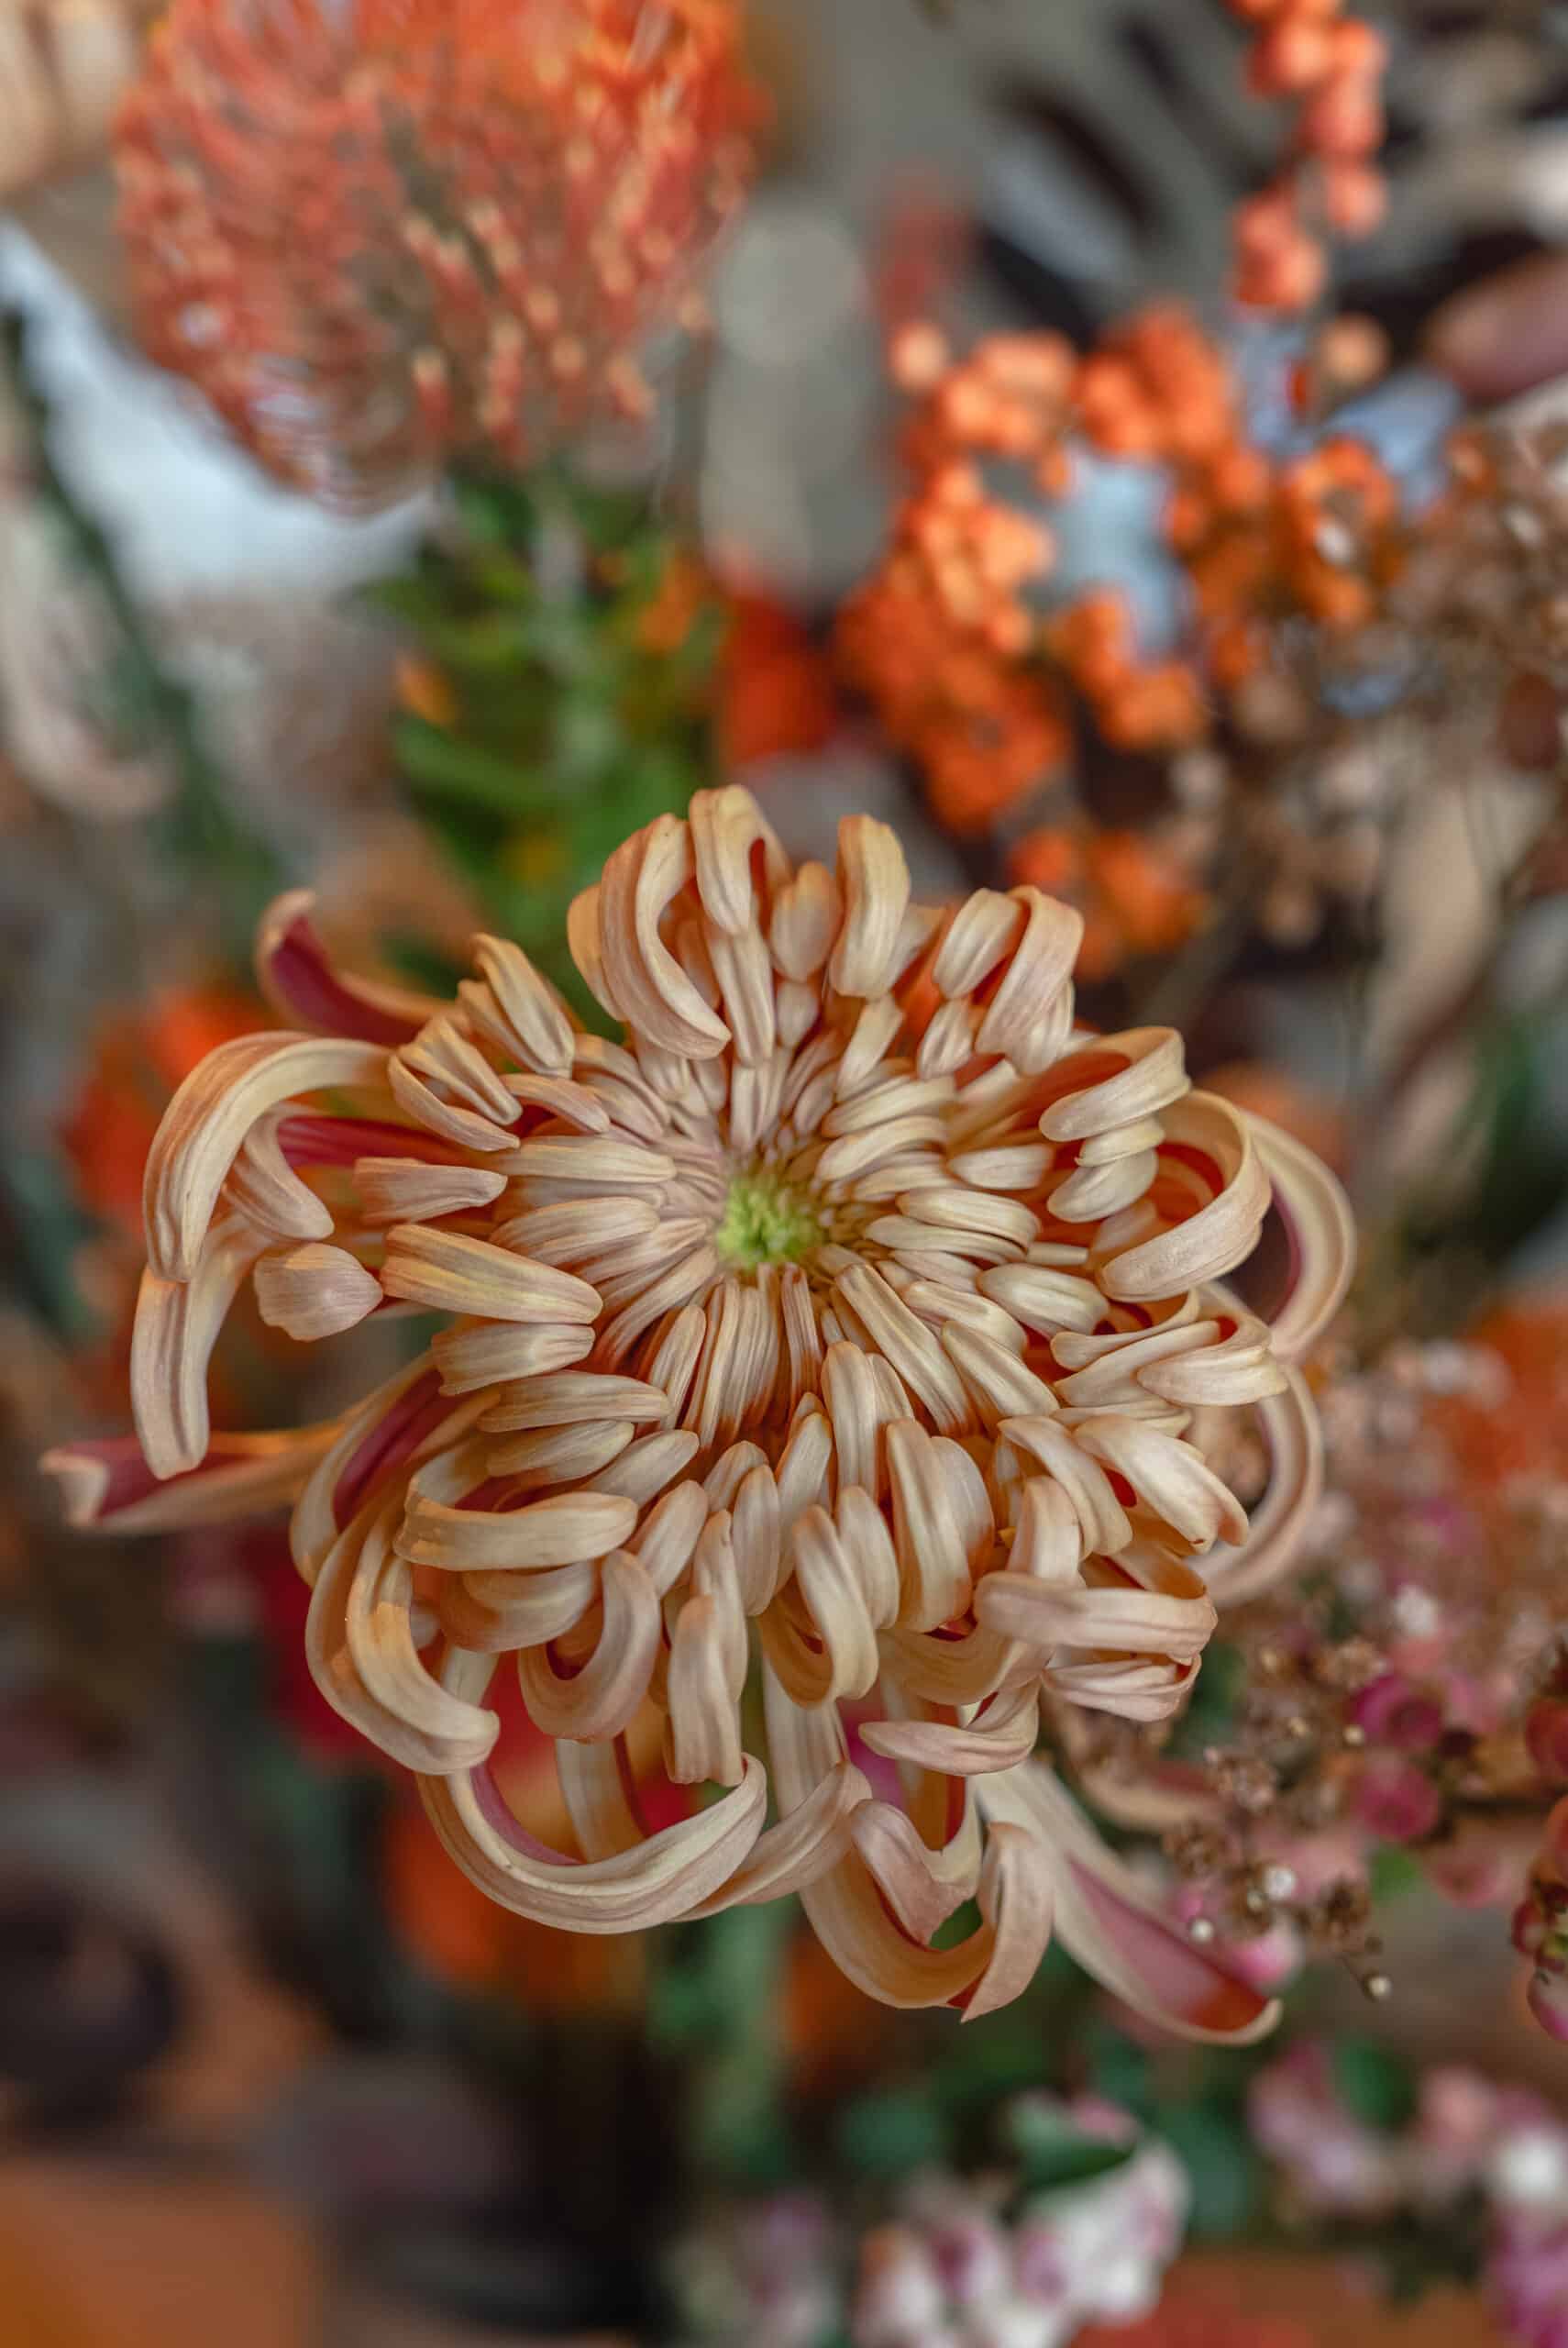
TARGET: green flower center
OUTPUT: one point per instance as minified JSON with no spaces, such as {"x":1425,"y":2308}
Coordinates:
{"x":767,"y":1223}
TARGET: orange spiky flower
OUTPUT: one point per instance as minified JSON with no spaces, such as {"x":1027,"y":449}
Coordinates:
{"x":411,"y":229}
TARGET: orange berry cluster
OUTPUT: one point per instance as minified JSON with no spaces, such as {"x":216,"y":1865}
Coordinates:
{"x":1132,"y":888}
{"x":387,"y":233}
{"x":968,"y":676}
{"x":1333,"y":67}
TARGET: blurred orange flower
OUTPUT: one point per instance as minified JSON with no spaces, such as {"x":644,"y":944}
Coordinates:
{"x":385,"y":234}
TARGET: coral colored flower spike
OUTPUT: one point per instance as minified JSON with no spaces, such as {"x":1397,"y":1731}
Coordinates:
{"x":385,"y":235}
{"x":854,"y":1322}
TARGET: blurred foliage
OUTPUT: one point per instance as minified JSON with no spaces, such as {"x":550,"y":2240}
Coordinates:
{"x":558,"y":692}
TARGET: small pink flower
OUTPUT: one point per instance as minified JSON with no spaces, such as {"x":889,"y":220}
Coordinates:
{"x":1397,"y":1802}
{"x":1392,"y":1711}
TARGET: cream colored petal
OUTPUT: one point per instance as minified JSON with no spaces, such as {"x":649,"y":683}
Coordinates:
{"x":1289,"y":1425}
{"x":263,"y":1187}
{"x":652,"y":992}
{"x":1152,"y":1079}
{"x":871,"y":1039}
{"x":1043,"y":1298}
{"x":982,"y":934}
{"x":667,"y":1538}
{"x":935,"y":1564}
{"x":177,"y":1325}
{"x":908,"y":1345}
{"x":568,"y":1397}
{"x":1170,"y":1476}
{"x":402,"y":1422}
{"x":1103,"y":1519}
{"x":661,"y":1880}
{"x":522,"y":1012}
{"x":585,"y":943}
{"x":1002,"y":1385}
{"x":449,"y":1272}
{"x":312,"y":1291}
{"x":1322,"y":1234}
{"x":474,"y":1354}
{"x":496,"y":1613}
{"x":564,"y":1233}
{"x":206,"y":1122}
{"x":596,"y":1163}
{"x":570,"y":1103}
{"x":1107,"y":1921}
{"x":451,"y":1121}
{"x":875,"y":883}
{"x":805,"y":921}
{"x":1030,"y":1017}
{"x":1215,"y":1239}
{"x":559,"y":1530}
{"x":727,"y":827}
{"x":801,"y":1847}
{"x":559,"y":1454}
{"x":1143,"y":1690}
{"x":1001,"y":1734}
{"x":358,"y":1617}
{"x":647,"y":1465}
{"x":402,"y":1190}
{"x":705,"y":1742}
{"x":602,"y":1696}
{"x":1176,"y":1621}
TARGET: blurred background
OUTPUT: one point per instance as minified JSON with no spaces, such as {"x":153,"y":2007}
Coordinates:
{"x":271,"y":2068}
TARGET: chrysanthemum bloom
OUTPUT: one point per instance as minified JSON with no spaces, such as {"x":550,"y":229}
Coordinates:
{"x":839,"y":1346}
{"x":382,"y":235}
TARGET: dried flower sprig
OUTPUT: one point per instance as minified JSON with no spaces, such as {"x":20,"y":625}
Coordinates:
{"x":855,"y":1324}
{"x":1332,"y":66}
{"x":411,"y":230}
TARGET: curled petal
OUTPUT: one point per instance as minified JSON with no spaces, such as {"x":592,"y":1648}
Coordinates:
{"x":559,"y":1530}
{"x":263,"y":1187}
{"x":652,"y":992}
{"x":1104,"y":1918}
{"x":298,"y":979}
{"x":1322,"y":1230}
{"x":875,"y":880}
{"x":1170,"y":1477}
{"x":360,"y":1646}
{"x":658,"y":1880}
{"x":801,"y":1847}
{"x":1000,"y":1734}
{"x":1207,"y":1132}
{"x":177,"y":1325}
{"x":209,"y":1117}
{"x":1289,"y":1425}
{"x":604,"y":1695}
{"x":1175,"y":1620}
{"x":108,"y":1485}
{"x":727,"y":825}
{"x":392,"y":1428}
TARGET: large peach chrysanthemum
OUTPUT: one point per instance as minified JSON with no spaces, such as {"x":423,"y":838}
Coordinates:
{"x":830,"y":1370}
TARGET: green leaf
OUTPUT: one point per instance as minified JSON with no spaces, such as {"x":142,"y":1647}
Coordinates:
{"x":1377,"y":2085}
{"x":886,"y":2134}
{"x":1222,"y":2168}
{"x":1054,"y":2152}
{"x":464,"y":770}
